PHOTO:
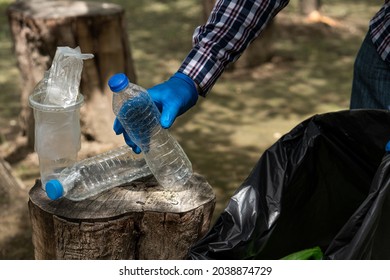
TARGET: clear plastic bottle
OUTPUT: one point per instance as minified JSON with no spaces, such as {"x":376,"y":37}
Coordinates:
{"x":96,"y":174}
{"x":140,"y":118}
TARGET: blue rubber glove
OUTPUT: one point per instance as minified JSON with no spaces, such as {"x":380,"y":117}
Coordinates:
{"x":387,"y":147}
{"x":172,"y":97}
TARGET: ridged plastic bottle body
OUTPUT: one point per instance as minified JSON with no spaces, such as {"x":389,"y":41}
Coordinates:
{"x":94,"y":175}
{"x":140,"y":118}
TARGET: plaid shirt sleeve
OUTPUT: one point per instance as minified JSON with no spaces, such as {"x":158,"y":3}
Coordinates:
{"x":230,"y":28}
{"x":380,"y":31}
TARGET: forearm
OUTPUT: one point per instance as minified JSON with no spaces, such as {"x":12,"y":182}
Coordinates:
{"x":231,"y":27}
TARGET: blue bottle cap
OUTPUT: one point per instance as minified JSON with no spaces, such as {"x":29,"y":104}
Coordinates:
{"x":54,"y":189}
{"x":118,"y":82}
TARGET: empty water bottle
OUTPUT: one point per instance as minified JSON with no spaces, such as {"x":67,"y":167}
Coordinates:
{"x":140,"y":118}
{"x":96,"y":174}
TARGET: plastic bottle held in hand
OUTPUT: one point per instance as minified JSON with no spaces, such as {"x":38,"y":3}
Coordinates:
{"x":140,"y":118}
{"x":94,"y":175}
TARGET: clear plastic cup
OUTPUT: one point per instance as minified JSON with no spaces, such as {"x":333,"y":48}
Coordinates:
{"x":57,"y":135}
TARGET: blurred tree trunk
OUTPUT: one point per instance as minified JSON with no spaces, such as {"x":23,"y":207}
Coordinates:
{"x":39,"y":27}
{"x":259,"y":51}
{"x":306,"y":7}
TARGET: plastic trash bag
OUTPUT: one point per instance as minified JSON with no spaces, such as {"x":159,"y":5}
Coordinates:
{"x":325,"y":184}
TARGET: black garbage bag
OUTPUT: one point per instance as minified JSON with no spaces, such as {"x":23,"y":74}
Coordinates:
{"x":323,"y":185}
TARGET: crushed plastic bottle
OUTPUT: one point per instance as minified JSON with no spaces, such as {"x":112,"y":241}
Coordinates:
{"x":56,"y":102}
{"x":64,"y":75}
{"x":140,"y":118}
{"x":96,"y":174}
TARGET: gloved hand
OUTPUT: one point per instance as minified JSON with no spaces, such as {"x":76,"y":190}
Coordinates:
{"x":172,"y":97}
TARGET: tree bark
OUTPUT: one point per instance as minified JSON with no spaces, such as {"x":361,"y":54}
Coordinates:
{"x":137,"y":221}
{"x":39,"y":27}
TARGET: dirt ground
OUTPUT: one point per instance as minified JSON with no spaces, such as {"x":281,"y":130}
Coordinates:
{"x":225,"y":134}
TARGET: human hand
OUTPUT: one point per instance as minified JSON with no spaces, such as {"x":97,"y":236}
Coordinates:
{"x":172,"y":97}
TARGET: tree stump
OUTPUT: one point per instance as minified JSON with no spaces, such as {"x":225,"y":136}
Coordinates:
{"x":136,"y":221}
{"x":39,"y":27}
